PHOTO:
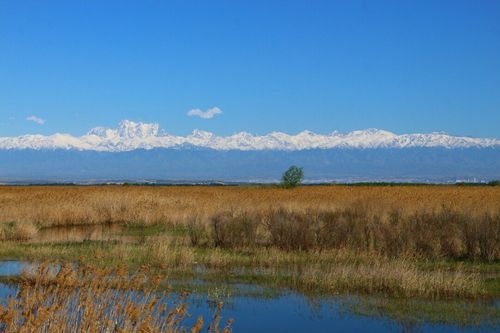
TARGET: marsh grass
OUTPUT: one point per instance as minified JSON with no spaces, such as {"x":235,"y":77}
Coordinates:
{"x":16,"y":230}
{"x":407,"y":241}
{"x":69,"y":298}
{"x":423,"y":234}
{"x":171,"y":253}
{"x":393,"y":278}
{"x":144,"y":230}
{"x":141,"y":205}
{"x":331,"y":272}
{"x":414,"y":312}
{"x":314,"y":272}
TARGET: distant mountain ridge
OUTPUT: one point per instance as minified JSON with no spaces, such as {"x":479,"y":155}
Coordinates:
{"x":202,"y":164}
{"x":131,"y":135}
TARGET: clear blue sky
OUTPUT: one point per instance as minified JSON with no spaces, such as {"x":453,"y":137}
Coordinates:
{"x":404,"y":66}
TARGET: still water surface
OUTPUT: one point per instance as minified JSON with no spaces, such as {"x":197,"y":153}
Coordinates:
{"x":287,"y":311}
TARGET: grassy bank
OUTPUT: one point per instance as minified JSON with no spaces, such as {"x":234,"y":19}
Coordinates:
{"x":326,"y":272}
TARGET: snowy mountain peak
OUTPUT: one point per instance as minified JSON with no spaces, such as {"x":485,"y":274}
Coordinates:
{"x":127,"y":129}
{"x":130,"y":135}
{"x":130,"y":129}
{"x":201,"y":135}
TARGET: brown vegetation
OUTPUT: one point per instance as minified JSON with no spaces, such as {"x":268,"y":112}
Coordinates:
{"x":423,"y":234}
{"x":328,"y":239}
{"x":67,"y":298}
{"x":64,"y":205}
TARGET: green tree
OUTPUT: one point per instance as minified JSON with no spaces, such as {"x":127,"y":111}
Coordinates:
{"x":292,"y":177}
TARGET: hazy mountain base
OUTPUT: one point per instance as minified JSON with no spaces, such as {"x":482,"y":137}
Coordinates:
{"x":381,"y":164}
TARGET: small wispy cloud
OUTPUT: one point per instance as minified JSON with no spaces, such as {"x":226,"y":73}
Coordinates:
{"x":36,"y":119}
{"x":210,"y":113}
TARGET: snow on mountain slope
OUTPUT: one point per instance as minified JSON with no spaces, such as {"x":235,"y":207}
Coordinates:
{"x":131,"y":135}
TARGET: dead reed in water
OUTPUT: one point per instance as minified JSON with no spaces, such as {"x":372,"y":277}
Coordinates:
{"x":71,"y":298}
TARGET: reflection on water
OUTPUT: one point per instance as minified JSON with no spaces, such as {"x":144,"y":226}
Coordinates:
{"x":80,"y":233}
{"x":257,"y":309}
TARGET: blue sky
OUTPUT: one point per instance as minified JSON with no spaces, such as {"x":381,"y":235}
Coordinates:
{"x":404,"y":66}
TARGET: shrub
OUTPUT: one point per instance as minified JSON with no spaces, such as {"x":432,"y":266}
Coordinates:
{"x":232,"y":230}
{"x":347,"y":228}
{"x":482,"y":237}
{"x":291,"y":230}
{"x":426,"y":234}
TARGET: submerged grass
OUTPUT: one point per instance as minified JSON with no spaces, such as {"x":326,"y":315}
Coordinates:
{"x":413,"y":312}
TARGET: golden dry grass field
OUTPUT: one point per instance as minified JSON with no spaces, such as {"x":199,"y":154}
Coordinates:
{"x":65,"y":205}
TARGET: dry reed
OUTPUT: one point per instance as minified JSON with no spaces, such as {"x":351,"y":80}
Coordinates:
{"x":66,"y":298}
{"x":430,"y":235}
{"x":58,"y":205}
{"x":328,"y":238}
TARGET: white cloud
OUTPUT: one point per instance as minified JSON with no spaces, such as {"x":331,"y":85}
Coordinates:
{"x":210,"y":113}
{"x":36,"y":119}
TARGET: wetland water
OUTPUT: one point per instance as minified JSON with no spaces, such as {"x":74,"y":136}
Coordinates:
{"x":258,"y":309}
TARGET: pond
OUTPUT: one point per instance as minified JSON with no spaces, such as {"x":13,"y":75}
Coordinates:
{"x":259,"y":309}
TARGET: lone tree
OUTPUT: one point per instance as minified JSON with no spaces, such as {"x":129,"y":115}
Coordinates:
{"x":292,"y":177}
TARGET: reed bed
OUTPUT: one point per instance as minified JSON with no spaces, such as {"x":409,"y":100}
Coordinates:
{"x":46,"y":206}
{"x":398,"y":278}
{"x":333,"y":272}
{"x":423,"y":234}
{"x":69,"y":298}
{"x":325,"y":239}
{"x":323,"y":272}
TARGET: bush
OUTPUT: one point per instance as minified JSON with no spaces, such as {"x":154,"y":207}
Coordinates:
{"x":425,"y":234}
{"x":482,"y":237}
{"x":233,"y":230}
{"x":347,"y":228}
{"x":291,"y":230}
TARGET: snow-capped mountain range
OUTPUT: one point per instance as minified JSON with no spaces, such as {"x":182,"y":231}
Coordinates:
{"x":136,"y":135}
